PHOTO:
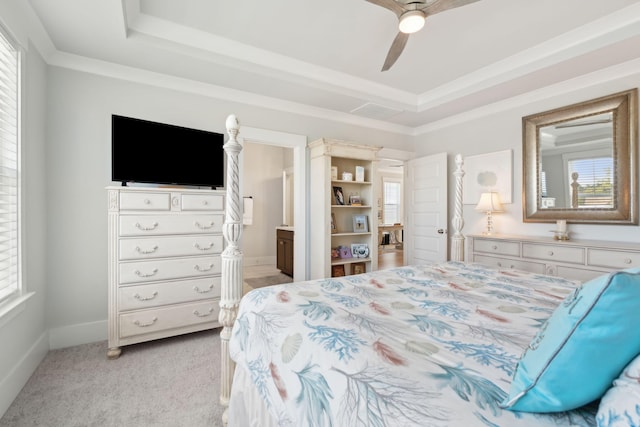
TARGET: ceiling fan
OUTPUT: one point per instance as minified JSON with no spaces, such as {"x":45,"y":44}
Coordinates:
{"x":411,"y":16}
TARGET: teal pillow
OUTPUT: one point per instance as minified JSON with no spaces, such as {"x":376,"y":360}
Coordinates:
{"x":582,"y":348}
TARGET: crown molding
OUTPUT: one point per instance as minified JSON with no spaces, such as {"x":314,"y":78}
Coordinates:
{"x":122,"y":72}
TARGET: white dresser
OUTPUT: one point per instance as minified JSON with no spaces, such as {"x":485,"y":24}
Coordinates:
{"x":164,"y":263}
{"x":573,"y":259}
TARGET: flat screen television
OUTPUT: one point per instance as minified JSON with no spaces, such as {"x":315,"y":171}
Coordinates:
{"x":150,"y":152}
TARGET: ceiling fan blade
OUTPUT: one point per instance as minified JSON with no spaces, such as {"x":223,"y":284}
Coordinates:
{"x":442,"y":5}
{"x":389,"y":4}
{"x":395,"y":50}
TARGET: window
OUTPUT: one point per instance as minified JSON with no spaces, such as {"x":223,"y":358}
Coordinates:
{"x":593,"y":186}
{"x":9,"y":168}
{"x":392,"y":202}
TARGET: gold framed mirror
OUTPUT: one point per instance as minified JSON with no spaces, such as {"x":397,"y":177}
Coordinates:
{"x":580,"y":162}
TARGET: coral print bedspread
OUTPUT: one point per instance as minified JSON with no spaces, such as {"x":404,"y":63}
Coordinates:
{"x":411,"y":346}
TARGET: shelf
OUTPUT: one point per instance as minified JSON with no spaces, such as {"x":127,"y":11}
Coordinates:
{"x":343,"y":261}
{"x":351,"y":206}
{"x":340,"y":181}
{"x":349,"y":234}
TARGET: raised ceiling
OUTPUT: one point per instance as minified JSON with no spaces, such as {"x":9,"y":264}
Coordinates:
{"x":323,"y":57}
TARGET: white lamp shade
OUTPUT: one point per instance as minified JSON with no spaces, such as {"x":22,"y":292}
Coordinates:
{"x":489,"y":202}
{"x":412,"y":21}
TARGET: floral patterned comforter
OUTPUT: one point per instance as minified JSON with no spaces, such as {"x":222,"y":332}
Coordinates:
{"x":412,"y":346}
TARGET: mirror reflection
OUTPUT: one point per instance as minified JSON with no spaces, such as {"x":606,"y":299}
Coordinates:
{"x":576,"y":163}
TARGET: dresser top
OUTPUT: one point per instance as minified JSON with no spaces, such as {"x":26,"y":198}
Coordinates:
{"x":165,"y":189}
{"x":550,"y":240}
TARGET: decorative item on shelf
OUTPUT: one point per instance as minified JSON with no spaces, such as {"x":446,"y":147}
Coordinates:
{"x":337,"y":270}
{"x":347,"y":176}
{"x":334,"y":173}
{"x":354,"y":200}
{"x":344,"y":251}
{"x":338,"y":195}
{"x":360,"y":250}
{"x":360,"y":224}
{"x":335,"y":254}
{"x":358,"y":268}
{"x":359,"y":173}
{"x":561,"y":233}
{"x":489,"y":203}
{"x":334,"y":228}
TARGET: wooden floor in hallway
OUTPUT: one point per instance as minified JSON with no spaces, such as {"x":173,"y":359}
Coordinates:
{"x":390,"y":258}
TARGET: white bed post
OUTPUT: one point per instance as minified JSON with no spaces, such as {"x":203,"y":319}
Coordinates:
{"x":457,"y":241}
{"x":231,"y":291}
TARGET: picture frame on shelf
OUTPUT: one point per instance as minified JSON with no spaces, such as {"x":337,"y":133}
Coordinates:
{"x":360,"y":224}
{"x":335,"y":254}
{"x":358,"y":268}
{"x":359,"y":250}
{"x":355,"y":200}
{"x":360,"y":173}
{"x":338,"y":195}
{"x":334,"y":173}
{"x":337,"y":270}
{"x":344,"y":252}
{"x":334,"y":228}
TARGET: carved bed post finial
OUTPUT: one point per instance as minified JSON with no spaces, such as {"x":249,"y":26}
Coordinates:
{"x":231,"y":290}
{"x":457,"y":241}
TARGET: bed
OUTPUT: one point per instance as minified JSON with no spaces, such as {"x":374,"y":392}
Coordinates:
{"x":436,"y":345}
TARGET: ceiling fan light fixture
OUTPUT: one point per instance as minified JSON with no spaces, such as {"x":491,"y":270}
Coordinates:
{"x":412,"y":21}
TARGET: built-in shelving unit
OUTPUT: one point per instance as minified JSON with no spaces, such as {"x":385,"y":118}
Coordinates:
{"x":335,"y":225}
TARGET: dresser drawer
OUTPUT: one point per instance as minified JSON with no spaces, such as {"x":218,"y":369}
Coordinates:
{"x":145,"y":201}
{"x":167,"y":269}
{"x":160,"y":247}
{"x":140,"y":225}
{"x":499,"y":247}
{"x":553,"y":253}
{"x":165,"y":293}
{"x":504,"y":264}
{"x":580,"y":274}
{"x":202,"y":202}
{"x":613,"y":258}
{"x":171,"y":317}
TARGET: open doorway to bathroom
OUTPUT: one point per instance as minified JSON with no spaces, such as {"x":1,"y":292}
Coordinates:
{"x":268,"y":197}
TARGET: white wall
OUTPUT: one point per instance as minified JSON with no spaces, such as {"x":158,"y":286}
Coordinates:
{"x":23,"y":336}
{"x":79,"y":167}
{"x":498,"y":127}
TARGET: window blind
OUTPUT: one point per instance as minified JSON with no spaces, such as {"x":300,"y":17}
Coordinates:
{"x":595,"y":181}
{"x":9,"y":161}
{"x":391,"y":202}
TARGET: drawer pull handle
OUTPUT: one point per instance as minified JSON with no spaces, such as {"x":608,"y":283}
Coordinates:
{"x":206,"y":291}
{"x":147,"y":201}
{"x":494,"y":247}
{"x":204,"y":227}
{"x":197,"y":246}
{"x":146,"y":252}
{"x":550,"y":253}
{"x":204,"y":202}
{"x":197,"y":313}
{"x":144,"y":325}
{"x":140,"y":298}
{"x":145,"y":228}
{"x":197,"y":267}
{"x":627,"y":260}
{"x":499,"y":264}
{"x":140,"y":274}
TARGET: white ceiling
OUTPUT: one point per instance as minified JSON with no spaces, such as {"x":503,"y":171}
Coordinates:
{"x":323,"y":57}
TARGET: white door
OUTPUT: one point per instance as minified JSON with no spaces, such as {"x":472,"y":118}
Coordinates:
{"x":425,"y":239}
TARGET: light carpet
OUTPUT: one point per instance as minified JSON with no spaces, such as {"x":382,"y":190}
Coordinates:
{"x":169,"y":382}
{"x":260,"y":282}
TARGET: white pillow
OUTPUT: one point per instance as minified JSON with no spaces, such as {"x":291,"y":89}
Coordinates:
{"x":620,"y":405}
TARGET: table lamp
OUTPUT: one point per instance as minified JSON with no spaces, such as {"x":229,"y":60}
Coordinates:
{"x":489,"y":203}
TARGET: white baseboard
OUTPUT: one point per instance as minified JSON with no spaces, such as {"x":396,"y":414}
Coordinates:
{"x":82,"y":333}
{"x":11,"y":385}
{"x":264,"y":260}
